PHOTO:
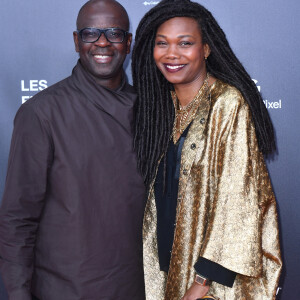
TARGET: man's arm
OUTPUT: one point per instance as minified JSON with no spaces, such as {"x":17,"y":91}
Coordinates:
{"x":23,"y":200}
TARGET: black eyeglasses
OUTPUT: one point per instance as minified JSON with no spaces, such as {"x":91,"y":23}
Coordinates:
{"x":92,"y":35}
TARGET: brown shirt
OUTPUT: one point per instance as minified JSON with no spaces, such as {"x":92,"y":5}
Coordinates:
{"x":71,"y":215}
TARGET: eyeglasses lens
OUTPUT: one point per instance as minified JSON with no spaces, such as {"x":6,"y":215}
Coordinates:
{"x":115,"y":35}
{"x":91,"y":35}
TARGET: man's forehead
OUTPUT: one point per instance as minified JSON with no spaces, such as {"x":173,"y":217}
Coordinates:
{"x":103,"y":14}
{"x":102,"y":21}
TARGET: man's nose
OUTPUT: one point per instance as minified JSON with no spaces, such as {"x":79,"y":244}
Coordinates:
{"x":102,"y":41}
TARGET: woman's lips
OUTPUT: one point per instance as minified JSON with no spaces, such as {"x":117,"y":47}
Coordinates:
{"x":173,"y":68}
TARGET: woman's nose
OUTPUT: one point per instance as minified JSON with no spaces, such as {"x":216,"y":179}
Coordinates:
{"x":172,"y":52}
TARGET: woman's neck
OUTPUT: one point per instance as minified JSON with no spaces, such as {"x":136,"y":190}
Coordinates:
{"x":186,"y":92}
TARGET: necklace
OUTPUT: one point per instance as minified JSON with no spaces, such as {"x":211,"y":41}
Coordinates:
{"x":185,"y":115}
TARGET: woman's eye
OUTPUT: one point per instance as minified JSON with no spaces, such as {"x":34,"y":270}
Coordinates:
{"x":160,"y":43}
{"x":186,"y":43}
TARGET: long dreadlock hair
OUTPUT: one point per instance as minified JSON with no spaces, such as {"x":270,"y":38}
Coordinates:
{"x":154,"y":108}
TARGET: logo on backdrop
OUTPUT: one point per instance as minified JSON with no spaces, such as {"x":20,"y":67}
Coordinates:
{"x":269,"y":104}
{"x":151,"y":3}
{"x":31,"y":87}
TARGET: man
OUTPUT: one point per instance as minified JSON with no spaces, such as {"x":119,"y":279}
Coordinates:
{"x":71,"y":215}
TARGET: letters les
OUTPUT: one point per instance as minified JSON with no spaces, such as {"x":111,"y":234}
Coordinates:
{"x":32,"y":86}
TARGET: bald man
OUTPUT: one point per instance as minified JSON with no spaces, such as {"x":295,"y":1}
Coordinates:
{"x":71,"y":215}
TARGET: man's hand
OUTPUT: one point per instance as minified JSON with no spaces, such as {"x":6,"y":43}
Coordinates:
{"x":196,"y":291}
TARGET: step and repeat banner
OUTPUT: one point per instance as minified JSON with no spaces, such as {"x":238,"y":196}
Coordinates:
{"x":37,"y":50}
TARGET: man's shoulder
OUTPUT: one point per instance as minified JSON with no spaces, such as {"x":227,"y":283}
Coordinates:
{"x":52,"y":92}
{"x":46,"y":103}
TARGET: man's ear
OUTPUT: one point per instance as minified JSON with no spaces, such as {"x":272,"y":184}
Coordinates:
{"x":129,"y":41}
{"x":76,"y":40}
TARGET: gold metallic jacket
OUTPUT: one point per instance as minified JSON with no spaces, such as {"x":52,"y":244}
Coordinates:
{"x":226,"y":209}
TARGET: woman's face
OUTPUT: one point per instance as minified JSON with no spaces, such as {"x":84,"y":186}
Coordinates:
{"x":179,"y":52}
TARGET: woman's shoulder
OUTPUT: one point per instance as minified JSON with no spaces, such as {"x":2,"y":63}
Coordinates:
{"x":226,"y":95}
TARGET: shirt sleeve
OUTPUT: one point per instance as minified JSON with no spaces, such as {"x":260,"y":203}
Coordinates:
{"x":23,"y":200}
{"x":214,"y":272}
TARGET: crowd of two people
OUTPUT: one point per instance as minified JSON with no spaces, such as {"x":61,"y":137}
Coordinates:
{"x":154,"y":192}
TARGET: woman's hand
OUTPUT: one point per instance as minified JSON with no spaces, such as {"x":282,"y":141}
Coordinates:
{"x":196,"y":291}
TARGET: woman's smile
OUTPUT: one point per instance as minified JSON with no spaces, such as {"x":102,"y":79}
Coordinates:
{"x":173,"y":68}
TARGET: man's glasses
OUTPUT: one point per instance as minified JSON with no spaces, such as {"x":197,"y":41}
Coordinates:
{"x":113,"y":35}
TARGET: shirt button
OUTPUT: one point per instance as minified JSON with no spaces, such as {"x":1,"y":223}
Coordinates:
{"x":202,"y":121}
{"x":193,"y":146}
{"x":185,"y":172}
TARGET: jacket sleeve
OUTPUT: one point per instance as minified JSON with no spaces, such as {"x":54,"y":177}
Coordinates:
{"x":23,"y":200}
{"x":242,"y":235}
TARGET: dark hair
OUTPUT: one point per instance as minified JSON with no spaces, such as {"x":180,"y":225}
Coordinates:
{"x":154,"y":108}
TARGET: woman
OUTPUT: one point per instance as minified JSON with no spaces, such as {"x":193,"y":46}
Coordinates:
{"x":210,"y":225}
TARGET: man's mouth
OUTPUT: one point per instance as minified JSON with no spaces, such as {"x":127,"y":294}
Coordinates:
{"x":102,"y":58}
{"x":173,"y":68}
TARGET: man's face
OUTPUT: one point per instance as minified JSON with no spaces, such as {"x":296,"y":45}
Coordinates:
{"x":103,"y":59}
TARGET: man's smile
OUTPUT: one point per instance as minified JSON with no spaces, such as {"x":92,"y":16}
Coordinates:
{"x":102,"y":58}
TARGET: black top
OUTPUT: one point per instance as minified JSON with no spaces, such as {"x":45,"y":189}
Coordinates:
{"x":166,"y":192}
